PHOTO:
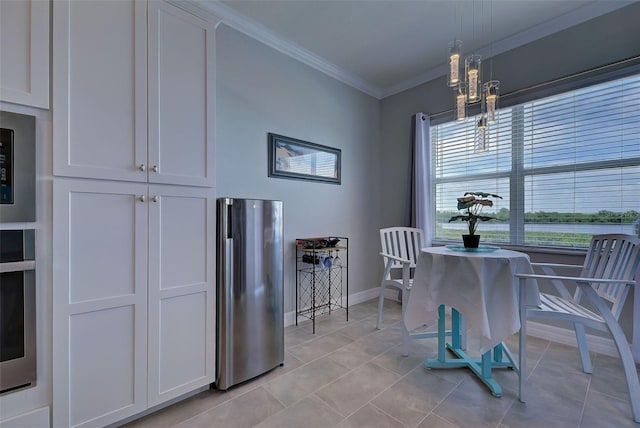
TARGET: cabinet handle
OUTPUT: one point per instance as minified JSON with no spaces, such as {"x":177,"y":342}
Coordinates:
{"x":155,"y":199}
{"x":154,"y":168}
{"x":141,"y":198}
{"x":142,"y":167}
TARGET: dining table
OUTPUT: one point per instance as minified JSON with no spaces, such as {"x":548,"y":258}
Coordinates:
{"x":479,"y":287}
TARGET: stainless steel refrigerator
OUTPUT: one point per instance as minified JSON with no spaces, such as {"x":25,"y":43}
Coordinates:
{"x":250,"y":298}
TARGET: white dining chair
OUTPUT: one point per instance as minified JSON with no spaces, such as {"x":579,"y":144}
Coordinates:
{"x":611,"y":263}
{"x":400,"y":250}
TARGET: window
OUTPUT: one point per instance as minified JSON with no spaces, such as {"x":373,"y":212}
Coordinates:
{"x":566,"y":165}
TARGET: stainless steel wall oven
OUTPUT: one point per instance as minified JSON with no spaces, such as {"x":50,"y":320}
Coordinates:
{"x":17,"y":310}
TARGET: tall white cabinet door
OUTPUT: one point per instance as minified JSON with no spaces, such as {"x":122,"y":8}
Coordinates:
{"x":99,"y":91}
{"x":181,"y":290}
{"x":24,"y":52}
{"x":181,"y":97}
{"x":99,"y":301}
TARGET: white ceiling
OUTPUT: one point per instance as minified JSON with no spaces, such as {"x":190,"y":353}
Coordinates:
{"x":386,"y":46}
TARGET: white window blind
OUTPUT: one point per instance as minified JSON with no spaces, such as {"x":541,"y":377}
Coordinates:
{"x":567,"y":167}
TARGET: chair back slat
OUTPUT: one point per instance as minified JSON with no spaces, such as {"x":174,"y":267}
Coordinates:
{"x":612,"y":256}
{"x":404,"y":242}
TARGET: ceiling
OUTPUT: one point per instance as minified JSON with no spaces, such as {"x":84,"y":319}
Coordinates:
{"x":383,"y":47}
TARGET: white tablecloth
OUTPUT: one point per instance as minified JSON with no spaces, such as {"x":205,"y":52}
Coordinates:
{"x":480,"y":285}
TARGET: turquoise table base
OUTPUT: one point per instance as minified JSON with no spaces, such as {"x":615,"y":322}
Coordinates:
{"x":481,"y":367}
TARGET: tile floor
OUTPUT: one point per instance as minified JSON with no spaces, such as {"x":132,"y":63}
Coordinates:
{"x":352,"y":375}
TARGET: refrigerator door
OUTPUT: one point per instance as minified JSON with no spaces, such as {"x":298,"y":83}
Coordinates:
{"x":249,"y":289}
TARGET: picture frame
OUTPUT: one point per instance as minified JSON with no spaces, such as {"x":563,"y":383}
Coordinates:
{"x":295,"y":159}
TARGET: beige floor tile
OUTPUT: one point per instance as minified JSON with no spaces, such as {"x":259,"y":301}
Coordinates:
{"x":370,"y":417}
{"x":350,"y":374}
{"x":244,"y":411}
{"x":608,"y":376}
{"x":183,"y":410}
{"x":356,"y":388}
{"x":414,"y":396}
{"x":299,"y":383}
{"x":396,"y":362}
{"x":472,"y":405}
{"x":320,"y":346}
{"x":310,"y":412}
{"x":435,"y":421}
{"x":606,"y":411}
{"x":360,"y":328}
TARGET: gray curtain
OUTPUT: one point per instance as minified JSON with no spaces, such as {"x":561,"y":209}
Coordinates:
{"x":420,"y":204}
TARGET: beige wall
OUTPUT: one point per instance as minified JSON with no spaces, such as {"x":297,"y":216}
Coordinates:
{"x":260,"y":90}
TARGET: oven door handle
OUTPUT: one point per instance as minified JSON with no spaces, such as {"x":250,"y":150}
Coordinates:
{"x":17,"y":266}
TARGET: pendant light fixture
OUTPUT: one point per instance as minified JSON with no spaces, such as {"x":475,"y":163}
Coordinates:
{"x":469,"y":88}
{"x":453,"y":77}
{"x":473,"y":75}
{"x":490,"y":89}
{"x":461,"y":102}
{"x":481,"y":135}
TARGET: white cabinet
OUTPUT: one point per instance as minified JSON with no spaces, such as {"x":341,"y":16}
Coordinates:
{"x":24,"y":52}
{"x":134,"y":304}
{"x":133,"y":196}
{"x":99,"y":302}
{"x":181,"y":291}
{"x":133,"y":92}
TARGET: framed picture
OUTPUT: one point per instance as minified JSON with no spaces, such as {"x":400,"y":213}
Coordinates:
{"x":301,"y":160}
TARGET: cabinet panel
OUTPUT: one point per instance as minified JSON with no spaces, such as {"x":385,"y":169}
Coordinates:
{"x":89,"y":276}
{"x":100,"y":89}
{"x":183,"y":246}
{"x":183,"y":353}
{"x":99,"y":333}
{"x":181,"y":297}
{"x":102,"y":357}
{"x":24,"y":52}
{"x":181,"y":96}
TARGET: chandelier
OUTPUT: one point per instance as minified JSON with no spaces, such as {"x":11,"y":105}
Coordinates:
{"x":466,"y":80}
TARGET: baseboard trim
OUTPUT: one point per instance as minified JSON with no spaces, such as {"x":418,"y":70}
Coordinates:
{"x":565,"y":336}
{"x":36,"y":418}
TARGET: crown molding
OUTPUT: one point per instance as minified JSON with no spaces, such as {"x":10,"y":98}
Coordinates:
{"x":233,"y":19}
{"x":570,"y":19}
{"x":252,"y":29}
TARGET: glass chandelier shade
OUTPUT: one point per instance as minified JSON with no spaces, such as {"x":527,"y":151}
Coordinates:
{"x":472,"y":71}
{"x":453,"y":76}
{"x":461,"y":102}
{"x":481,"y":135}
{"x":490,"y":90}
{"x":469,"y":89}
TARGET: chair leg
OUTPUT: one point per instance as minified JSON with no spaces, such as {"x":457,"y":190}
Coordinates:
{"x":405,"y":332}
{"x":380,"y":307}
{"x":623,"y":348}
{"x":629,"y":368}
{"x":522,"y":342}
{"x":585,"y":359}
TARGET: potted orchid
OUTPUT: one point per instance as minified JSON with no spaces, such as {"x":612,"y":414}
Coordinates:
{"x":473,"y":203}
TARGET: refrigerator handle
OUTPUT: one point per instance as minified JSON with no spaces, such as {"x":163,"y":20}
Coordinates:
{"x":228,"y":228}
{"x":228,"y":253}
{"x":228,"y":311}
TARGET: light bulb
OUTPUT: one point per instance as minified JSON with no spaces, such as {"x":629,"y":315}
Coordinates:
{"x":473,"y":84}
{"x":473,"y":76}
{"x":454,"y":68}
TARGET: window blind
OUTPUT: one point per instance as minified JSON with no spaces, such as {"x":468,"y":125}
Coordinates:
{"x":566,"y":165}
